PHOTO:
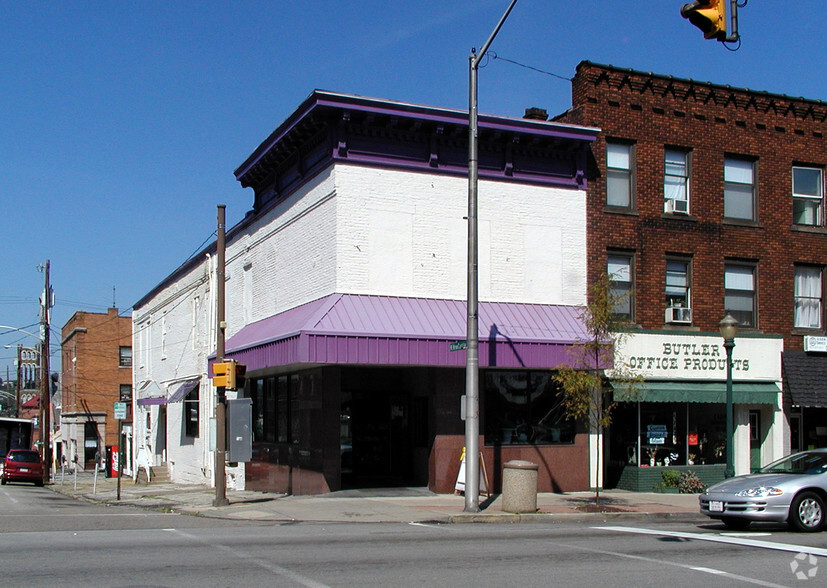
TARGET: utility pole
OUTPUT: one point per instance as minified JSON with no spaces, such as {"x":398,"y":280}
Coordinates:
{"x":472,"y":363}
{"x":19,"y":385}
{"x":45,"y":380}
{"x":220,"y":392}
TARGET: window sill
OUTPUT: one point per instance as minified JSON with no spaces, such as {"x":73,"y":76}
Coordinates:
{"x":742,"y":223}
{"x":809,"y":229}
{"x":682,"y":327}
{"x":620,"y":210}
{"x":806,"y":332}
{"x":680,"y":217}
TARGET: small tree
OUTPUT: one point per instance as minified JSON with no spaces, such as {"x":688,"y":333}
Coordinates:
{"x":585,"y":387}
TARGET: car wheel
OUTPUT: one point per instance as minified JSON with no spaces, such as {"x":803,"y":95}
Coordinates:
{"x":807,"y":512}
{"x":39,"y":483}
{"x":736,"y":523}
{"x":3,"y":481}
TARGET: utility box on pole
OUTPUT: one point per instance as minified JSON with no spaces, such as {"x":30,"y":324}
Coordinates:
{"x":240,"y":430}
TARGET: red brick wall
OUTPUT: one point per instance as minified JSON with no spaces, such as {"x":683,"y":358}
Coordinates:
{"x":711,"y":121}
{"x":92,"y":383}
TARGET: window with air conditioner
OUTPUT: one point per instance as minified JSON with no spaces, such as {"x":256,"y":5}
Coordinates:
{"x":676,"y":182}
{"x":678,"y":303}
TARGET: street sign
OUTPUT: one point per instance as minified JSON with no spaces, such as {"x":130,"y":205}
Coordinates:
{"x":458,"y":345}
{"x":120,"y":411}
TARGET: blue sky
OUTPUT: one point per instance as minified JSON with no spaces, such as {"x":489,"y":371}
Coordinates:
{"x":121,"y":123}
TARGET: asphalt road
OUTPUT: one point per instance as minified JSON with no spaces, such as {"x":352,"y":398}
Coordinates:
{"x":50,"y":540}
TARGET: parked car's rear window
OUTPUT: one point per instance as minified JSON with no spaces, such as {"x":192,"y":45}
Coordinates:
{"x":24,"y":456}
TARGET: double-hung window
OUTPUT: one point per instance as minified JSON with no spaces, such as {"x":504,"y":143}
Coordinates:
{"x":619,"y":174}
{"x":619,"y":267}
{"x":125,"y":356}
{"x":739,"y":189}
{"x":192,"y":411}
{"x":676,"y":181}
{"x":808,"y":196}
{"x":808,"y":305}
{"x":739,"y":293}
{"x":678,"y":308}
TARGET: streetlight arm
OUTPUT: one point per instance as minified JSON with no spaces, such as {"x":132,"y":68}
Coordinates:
{"x":496,"y":30}
{"x":38,"y":337}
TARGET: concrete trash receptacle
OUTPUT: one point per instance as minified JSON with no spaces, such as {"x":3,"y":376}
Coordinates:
{"x":520,"y":486}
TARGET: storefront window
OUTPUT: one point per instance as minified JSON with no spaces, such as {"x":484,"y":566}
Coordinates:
{"x":524,"y":408}
{"x":663,"y":433}
{"x":707,"y":433}
{"x":670,"y":433}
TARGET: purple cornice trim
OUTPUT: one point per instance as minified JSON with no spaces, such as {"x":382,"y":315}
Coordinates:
{"x":324,"y":100}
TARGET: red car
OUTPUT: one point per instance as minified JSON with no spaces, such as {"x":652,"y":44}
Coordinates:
{"x":22,"y":465}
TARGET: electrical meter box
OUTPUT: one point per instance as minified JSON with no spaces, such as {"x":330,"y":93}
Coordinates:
{"x":240,"y":429}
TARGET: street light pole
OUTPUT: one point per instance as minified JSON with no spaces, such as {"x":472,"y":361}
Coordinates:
{"x":472,"y":384}
{"x":729,"y":328}
{"x":45,"y":380}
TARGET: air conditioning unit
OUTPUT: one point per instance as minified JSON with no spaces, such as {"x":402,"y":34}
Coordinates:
{"x":673,"y":206}
{"x":678,"y":314}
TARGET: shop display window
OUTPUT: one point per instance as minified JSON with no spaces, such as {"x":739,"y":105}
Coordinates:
{"x":671,"y":433}
{"x":524,"y":408}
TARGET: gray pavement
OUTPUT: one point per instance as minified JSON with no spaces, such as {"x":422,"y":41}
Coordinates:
{"x":374,"y":505}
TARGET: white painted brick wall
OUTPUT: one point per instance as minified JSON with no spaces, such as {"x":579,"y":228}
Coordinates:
{"x":404,"y":234}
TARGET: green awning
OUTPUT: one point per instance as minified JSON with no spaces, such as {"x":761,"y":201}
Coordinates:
{"x":715,"y":392}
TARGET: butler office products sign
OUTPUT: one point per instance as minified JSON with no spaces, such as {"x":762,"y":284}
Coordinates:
{"x":699,"y":357}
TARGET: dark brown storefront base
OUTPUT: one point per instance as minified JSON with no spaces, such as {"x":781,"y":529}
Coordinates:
{"x":562,"y":468}
{"x":645,"y":479}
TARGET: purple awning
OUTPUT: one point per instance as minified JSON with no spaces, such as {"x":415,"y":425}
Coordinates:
{"x":183,"y":389}
{"x":150,"y":394}
{"x":387,"y":330}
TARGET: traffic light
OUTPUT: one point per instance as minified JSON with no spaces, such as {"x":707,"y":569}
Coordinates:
{"x":239,"y":376}
{"x":229,"y":375}
{"x":221,"y":374}
{"x":709,"y":16}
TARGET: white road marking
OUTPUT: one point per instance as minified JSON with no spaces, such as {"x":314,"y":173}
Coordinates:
{"x":739,"y":540}
{"x":662,"y":562}
{"x":276,"y":569}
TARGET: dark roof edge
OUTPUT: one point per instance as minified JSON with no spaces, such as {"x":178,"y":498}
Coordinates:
{"x":724,"y":87}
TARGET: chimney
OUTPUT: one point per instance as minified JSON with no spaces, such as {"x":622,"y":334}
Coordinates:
{"x":536,"y":114}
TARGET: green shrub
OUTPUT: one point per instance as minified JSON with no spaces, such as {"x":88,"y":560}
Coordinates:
{"x":690,"y":483}
{"x":670,"y":478}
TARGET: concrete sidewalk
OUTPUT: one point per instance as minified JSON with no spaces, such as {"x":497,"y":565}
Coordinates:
{"x":374,"y":505}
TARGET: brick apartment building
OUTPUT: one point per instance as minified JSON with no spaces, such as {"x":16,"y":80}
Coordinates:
{"x":96,"y":351}
{"x":704,"y":200}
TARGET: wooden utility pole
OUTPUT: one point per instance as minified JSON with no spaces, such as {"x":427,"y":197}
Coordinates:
{"x":220,"y":392}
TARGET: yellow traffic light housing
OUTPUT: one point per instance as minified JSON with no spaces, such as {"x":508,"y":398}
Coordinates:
{"x":221,"y":374}
{"x":229,"y":375}
{"x":709,"y":16}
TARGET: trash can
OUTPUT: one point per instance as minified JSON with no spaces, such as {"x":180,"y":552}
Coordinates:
{"x":520,"y":486}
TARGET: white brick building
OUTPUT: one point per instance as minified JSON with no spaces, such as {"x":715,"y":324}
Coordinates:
{"x":358,"y":216}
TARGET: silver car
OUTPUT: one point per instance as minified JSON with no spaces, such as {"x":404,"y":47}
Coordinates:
{"x":792,"y":489}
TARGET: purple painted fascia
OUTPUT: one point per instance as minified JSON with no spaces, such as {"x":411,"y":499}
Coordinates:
{"x":382,"y":330}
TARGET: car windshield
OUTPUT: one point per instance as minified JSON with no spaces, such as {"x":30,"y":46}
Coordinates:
{"x":24,"y":456}
{"x":800,"y":463}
